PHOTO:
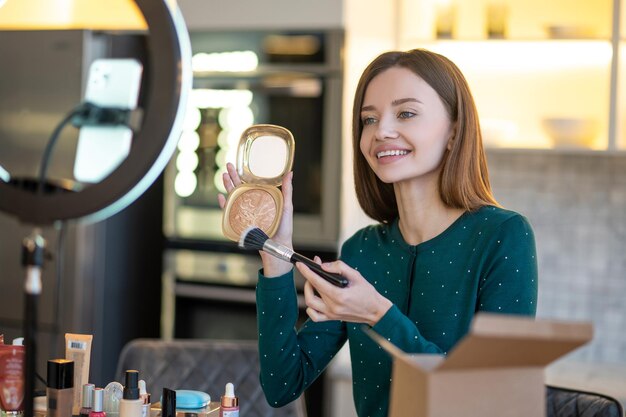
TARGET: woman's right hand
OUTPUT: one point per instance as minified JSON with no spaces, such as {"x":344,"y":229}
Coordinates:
{"x":272,"y":266}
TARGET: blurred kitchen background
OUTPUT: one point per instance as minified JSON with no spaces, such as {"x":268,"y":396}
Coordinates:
{"x":548,"y":78}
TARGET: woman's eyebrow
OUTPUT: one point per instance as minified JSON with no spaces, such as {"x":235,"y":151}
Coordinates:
{"x":394,"y":103}
{"x":405,"y":100}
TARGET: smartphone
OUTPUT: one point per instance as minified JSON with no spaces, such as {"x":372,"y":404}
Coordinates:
{"x":112,"y":82}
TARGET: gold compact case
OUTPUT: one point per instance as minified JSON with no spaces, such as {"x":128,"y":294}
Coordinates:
{"x":264,"y":155}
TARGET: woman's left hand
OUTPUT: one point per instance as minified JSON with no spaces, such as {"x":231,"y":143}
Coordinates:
{"x":359,"y":302}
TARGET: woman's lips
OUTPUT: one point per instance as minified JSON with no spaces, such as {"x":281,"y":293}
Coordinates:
{"x":391,"y":155}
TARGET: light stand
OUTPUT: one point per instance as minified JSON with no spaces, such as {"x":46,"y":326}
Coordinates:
{"x":32,"y":260}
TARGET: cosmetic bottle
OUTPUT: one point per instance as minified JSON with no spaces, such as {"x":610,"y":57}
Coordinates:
{"x":229,"y":406}
{"x":60,"y":389}
{"x":78,"y":349}
{"x":145,"y":399}
{"x":11,"y":379}
{"x":98,"y":403}
{"x":131,"y":404}
{"x":87,"y":403}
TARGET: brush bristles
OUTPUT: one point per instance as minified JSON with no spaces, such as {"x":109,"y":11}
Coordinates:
{"x":252,"y":238}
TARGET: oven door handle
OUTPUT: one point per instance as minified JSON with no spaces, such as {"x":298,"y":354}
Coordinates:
{"x":206,"y":292}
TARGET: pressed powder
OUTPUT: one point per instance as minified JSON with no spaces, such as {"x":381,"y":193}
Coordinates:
{"x":252,"y":207}
{"x":264,"y":155}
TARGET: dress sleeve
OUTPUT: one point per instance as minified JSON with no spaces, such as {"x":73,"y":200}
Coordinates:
{"x":509,"y":280}
{"x":402,"y":332}
{"x":290,"y":359}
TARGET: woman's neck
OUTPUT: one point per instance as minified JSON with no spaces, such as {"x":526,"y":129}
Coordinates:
{"x":422,"y":213}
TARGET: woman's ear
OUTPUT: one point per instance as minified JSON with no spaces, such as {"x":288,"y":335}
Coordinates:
{"x":451,"y":139}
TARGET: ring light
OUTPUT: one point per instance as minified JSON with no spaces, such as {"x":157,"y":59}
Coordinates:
{"x":169,"y":55}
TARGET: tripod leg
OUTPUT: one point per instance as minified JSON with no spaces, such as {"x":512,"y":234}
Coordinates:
{"x":32,"y":260}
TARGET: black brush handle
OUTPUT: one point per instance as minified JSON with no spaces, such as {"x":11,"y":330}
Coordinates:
{"x":334,"y":279}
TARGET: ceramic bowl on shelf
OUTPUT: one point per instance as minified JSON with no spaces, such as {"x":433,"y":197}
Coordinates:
{"x":571,"y":132}
{"x":569,"y":32}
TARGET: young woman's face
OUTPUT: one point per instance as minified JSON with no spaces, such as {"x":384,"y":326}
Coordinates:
{"x":406,"y":127}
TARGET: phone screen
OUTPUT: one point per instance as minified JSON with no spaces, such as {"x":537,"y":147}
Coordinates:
{"x":100,"y":149}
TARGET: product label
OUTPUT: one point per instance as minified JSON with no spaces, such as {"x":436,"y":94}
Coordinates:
{"x":74,"y":344}
{"x":233,"y":413}
{"x":11,"y":377}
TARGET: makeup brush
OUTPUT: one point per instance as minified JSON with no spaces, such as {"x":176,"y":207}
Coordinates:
{"x":254,"y":238}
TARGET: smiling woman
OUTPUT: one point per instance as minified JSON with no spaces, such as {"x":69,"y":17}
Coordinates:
{"x":443,"y":249}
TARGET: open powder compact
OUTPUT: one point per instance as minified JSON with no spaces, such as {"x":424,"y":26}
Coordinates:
{"x":264,"y":155}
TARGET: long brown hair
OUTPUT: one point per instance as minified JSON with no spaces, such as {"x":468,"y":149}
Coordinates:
{"x":464,"y":178}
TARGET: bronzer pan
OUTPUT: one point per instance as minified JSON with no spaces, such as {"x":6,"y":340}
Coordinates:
{"x":264,"y":155}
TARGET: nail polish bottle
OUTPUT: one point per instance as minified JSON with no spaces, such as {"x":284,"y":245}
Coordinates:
{"x":60,"y":391}
{"x":229,"y":406}
{"x":131,"y":404}
{"x":97,"y":407}
{"x":87,"y":402}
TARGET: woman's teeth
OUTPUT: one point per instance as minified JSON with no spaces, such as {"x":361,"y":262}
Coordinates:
{"x":391,"y":153}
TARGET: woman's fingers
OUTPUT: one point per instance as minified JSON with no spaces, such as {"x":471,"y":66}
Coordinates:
{"x":315,"y":305}
{"x":233,"y":174}
{"x":230,"y":178}
{"x":287,"y":189}
{"x":316,"y":315}
{"x":221,"y":200}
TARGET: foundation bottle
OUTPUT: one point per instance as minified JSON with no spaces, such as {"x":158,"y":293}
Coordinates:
{"x":60,"y":390}
{"x":131,"y":404}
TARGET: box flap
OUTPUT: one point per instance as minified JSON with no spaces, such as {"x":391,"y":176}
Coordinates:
{"x":498,"y":341}
{"x":423,"y":362}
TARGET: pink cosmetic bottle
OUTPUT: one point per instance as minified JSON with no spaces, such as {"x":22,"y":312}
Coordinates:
{"x":229,"y":406}
{"x":97,"y":403}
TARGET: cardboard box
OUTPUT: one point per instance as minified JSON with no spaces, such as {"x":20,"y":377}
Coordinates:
{"x":497,"y":369}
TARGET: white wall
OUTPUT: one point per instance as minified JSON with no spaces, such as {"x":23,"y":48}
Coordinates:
{"x":370,"y":28}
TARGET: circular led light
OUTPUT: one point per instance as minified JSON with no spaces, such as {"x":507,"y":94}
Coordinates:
{"x":168,"y":85}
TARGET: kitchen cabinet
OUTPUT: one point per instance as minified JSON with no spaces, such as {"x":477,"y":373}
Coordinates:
{"x":542,"y":73}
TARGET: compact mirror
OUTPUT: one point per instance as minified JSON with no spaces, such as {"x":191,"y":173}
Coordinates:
{"x":264,"y":155}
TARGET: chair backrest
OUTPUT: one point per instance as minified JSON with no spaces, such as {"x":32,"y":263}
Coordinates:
{"x":565,"y":402}
{"x":204,"y":365}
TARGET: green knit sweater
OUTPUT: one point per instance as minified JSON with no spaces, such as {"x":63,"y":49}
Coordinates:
{"x":485,"y":261}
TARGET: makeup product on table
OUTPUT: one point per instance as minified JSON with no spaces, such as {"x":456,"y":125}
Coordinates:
{"x":168,"y":403}
{"x":264,"y":155}
{"x":60,"y":389}
{"x":78,"y":349}
{"x":131,"y":404}
{"x":144,"y":396}
{"x":113,"y":395}
{"x":98,"y":403}
{"x":11,"y":379}
{"x":229,"y":404}
{"x":191,"y":399}
{"x":254,"y":238}
{"x":87,"y":400}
